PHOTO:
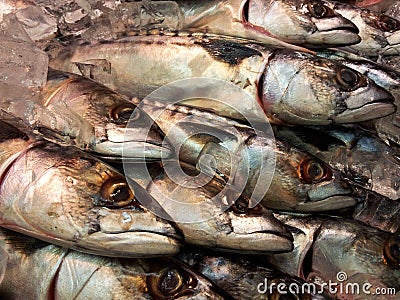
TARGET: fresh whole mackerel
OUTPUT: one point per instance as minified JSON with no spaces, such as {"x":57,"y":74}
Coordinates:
{"x":260,"y":167}
{"x":67,"y":197}
{"x":306,"y":23}
{"x":37,"y":270}
{"x":342,"y":251}
{"x":291,"y":87}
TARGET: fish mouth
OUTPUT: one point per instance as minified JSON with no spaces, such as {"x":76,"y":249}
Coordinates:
{"x":342,"y":36}
{"x":132,"y":243}
{"x":134,"y":150}
{"x":372,"y":110}
{"x":326,"y":204}
{"x":256,"y":242}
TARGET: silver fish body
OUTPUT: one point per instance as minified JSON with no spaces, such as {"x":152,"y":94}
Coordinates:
{"x":362,"y":159}
{"x":252,"y":162}
{"x":67,"y":197}
{"x":308,"y":90}
{"x":309,"y":23}
{"x":380,"y":34}
{"x":326,"y":247}
{"x":245,"y":278}
{"x":37,"y":270}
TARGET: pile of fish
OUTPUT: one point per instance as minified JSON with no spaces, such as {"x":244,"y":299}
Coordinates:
{"x":225,"y":149}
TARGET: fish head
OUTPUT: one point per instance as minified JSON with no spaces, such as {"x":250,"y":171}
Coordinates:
{"x":120,"y":127}
{"x":363,"y":253}
{"x":305,"y":22}
{"x":304,"y":90}
{"x":380,"y":33}
{"x":169,"y":278}
{"x":210,"y":218}
{"x":304,"y":183}
{"x":72,"y":199}
{"x":130,"y":132}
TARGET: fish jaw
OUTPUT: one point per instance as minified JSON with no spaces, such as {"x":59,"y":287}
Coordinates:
{"x":299,"y":26}
{"x":136,"y":141}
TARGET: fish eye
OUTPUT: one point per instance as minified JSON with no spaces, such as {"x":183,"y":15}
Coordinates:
{"x":387,"y":23}
{"x":121,"y":114}
{"x":166,"y":283}
{"x":116,"y":193}
{"x":349,"y":80}
{"x":241,"y":206}
{"x":391,"y":252}
{"x":319,"y":10}
{"x":311,"y":171}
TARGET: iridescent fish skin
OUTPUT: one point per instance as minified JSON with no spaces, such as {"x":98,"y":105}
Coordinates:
{"x":67,"y":197}
{"x":245,"y":278}
{"x":380,"y":34}
{"x":362,"y":159}
{"x":300,"y":182}
{"x":291,"y":87}
{"x":326,"y":246}
{"x":37,"y":270}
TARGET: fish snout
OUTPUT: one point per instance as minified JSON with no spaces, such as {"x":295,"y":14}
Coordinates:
{"x":370,"y":103}
{"x":335,"y":30}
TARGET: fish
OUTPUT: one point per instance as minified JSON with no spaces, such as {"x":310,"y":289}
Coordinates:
{"x":387,"y":128}
{"x":341,"y":251}
{"x":77,"y":111}
{"x":246,"y":278}
{"x":38,"y":270}
{"x":67,"y":197}
{"x":306,"y":23}
{"x":380,"y":33}
{"x":309,"y":90}
{"x":211,"y":219}
{"x":249,"y":161}
{"x":362,"y":158}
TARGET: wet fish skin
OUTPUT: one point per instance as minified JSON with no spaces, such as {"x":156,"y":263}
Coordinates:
{"x":362,"y":159}
{"x":67,"y":197}
{"x":380,"y":34}
{"x":324,"y":246}
{"x":300,"y":182}
{"x":37,"y":270}
{"x":139,"y":65}
{"x":211,"y":219}
{"x":242,"y":276}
